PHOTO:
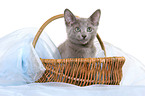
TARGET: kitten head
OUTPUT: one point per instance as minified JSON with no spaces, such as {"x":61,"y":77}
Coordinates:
{"x":81,"y":31}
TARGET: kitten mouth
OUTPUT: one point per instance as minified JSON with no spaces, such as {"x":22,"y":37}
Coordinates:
{"x":83,"y":41}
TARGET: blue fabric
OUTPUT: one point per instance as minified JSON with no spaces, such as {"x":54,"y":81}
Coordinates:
{"x":19,"y":61}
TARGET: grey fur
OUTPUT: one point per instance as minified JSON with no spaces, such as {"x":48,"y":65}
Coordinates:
{"x":79,"y":43}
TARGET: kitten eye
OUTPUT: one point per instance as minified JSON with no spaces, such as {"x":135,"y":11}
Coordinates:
{"x":77,"y":29}
{"x":89,"y":29}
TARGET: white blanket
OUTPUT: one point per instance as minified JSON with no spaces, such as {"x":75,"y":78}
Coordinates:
{"x":61,"y":89}
{"x":20,"y":66}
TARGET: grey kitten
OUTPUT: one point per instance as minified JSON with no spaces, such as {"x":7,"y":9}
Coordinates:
{"x":80,"y":35}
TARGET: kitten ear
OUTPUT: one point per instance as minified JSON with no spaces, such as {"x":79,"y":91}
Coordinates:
{"x":69,"y":17}
{"x":95,"y":17}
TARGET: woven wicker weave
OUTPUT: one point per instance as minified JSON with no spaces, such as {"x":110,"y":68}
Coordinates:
{"x":81,"y":71}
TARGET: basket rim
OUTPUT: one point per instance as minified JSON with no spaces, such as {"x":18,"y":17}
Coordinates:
{"x":102,"y":59}
{"x":121,"y":57}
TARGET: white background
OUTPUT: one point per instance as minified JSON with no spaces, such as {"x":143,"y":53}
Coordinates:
{"x":121,"y":24}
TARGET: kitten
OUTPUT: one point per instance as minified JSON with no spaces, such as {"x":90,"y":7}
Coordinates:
{"x":80,"y":36}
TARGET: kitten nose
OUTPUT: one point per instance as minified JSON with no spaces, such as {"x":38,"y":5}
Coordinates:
{"x":84,"y":36}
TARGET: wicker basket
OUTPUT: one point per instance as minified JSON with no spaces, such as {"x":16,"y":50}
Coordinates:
{"x":81,"y":71}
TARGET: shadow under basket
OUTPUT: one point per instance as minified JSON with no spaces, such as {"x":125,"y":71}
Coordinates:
{"x":81,"y":71}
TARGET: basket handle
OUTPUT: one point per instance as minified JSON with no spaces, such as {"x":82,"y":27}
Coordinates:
{"x":54,"y":18}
